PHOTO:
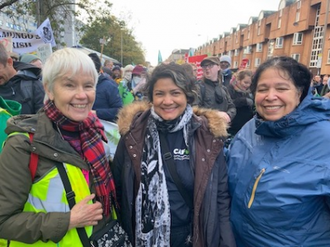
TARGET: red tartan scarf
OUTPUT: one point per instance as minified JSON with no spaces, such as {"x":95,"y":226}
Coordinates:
{"x":91,"y":133}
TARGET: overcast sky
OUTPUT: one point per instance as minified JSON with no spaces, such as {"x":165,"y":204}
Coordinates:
{"x":184,"y":24}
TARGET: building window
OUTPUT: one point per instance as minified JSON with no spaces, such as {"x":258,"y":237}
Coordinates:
{"x":298,"y":4}
{"x":297,"y":38}
{"x":296,"y":57}
{"x":248,"y":33}
{"x":235,"y":64}
{"x":257,"y":62}
{"x":259,"y":27}
{"x":236,"y":53}
{"x":248,"y":64}
{"x":247,"y":50}
{"x":259,"y":47}
{"x":279,"y":42}
{"x":297,"y":16}
{"x":328,"y":57}
{"x":279,"y":23}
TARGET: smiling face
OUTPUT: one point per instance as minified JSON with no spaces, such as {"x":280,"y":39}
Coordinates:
{"x":169,"y":100}
{"x":245,"y":83}
{"x":276,"y":95}
{"x":73,"y":95}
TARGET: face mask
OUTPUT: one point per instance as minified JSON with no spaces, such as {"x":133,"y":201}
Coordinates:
{"x":128,"y":76}
{"x":136,"y":80}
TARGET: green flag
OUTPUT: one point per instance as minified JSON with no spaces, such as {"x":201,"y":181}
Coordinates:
{"x":160,"y":59}
{"x":125,"y":95}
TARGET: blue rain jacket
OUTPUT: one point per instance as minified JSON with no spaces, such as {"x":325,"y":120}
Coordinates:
{"x":279,"y":179}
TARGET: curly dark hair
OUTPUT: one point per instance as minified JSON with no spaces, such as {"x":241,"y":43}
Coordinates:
{"x":298,"y":73}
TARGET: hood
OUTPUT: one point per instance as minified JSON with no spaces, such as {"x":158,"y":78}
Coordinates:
{"x":311,"y":110}
{"x":126,"y":115}
{"x":25,"y":68}
{"x":21,"y":123}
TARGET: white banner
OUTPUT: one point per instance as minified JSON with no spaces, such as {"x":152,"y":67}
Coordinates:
{"x":45,"y":31}
{"x":22,"y":42}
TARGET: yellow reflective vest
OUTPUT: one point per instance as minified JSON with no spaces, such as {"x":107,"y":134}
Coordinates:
{"x":48,"y":195}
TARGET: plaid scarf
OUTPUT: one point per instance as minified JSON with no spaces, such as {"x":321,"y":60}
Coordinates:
{"x":91,"y":133}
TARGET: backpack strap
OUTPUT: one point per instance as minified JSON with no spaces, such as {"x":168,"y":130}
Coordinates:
{"x":33,"y":160}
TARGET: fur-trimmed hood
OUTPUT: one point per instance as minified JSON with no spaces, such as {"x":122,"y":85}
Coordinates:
{"x":216,"y":124}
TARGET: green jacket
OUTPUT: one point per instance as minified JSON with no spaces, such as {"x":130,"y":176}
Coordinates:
{"x":15,"y":179}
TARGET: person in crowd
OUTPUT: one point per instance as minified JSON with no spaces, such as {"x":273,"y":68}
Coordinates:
{"x":240,"y":93}
{"x":65,"y":132}
{"x":226,"y":73}
{"x":325,"y":88}
{"x":108,"y":64}
{"x":138,"y":82}
{"x":317,"y":85}
{"x":21,"y":82}
{"x":188,"y":67}
{"x":160,"y":206}
{"x":108,"y":101}
{"x":116,"y":74}
{"x":195,"y":70}
{"x":278,"y":177}
{"x":212,"y":93}
{"x":127,"y":75}
{"x":32,"y":59}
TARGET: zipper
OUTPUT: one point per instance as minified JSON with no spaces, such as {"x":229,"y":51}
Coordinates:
{"x":255,"y":187}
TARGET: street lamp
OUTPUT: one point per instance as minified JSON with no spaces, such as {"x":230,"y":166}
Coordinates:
{"x":121,"y":24}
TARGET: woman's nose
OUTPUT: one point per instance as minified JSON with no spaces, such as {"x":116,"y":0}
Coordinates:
{"x":271,"y":95}
{"x":167,"y":99}
{"x":81,"y":93}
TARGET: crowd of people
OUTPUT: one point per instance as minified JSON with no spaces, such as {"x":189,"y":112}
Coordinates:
{"x":175,"y":179}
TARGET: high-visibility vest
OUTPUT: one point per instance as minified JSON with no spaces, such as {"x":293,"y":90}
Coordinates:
{"x":48,"y":195}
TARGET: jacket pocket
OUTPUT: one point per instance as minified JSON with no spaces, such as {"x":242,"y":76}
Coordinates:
{"x":255,"y":187}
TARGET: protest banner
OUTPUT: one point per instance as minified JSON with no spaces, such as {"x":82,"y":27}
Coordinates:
{"x":197,"y":60}
{"x":45,"y":31}
{"x":21,"y":42}
{"x":8,"y":44}
{"x":44,"y":51}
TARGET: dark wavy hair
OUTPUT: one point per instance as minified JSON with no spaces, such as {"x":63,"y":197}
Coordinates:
{"x":298,"y":73}
{"x":179,"y":76}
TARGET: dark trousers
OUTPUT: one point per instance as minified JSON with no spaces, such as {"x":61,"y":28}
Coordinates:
{"x":180,"y":236}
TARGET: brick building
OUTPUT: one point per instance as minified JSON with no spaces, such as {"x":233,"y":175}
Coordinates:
{"x":299,"y":28}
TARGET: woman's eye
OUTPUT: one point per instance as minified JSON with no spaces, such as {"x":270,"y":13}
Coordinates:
{"x":69,"y":85}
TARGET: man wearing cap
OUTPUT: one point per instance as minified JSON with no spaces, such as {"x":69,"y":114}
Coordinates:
{"x":21,"y":82}
{"x":212,"y":93}
{"x":226,"y":73}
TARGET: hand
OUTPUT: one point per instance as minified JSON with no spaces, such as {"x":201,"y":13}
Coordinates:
{"x":225,"y":116}
{"x":83,"y":214}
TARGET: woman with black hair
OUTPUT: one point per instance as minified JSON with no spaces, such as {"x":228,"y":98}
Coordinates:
{"x":278,"y":171}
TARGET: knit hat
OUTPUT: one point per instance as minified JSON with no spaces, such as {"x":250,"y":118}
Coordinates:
{"x":212,"y":59}
{"x":128,"y":68}
{"x":116,"y":68}
{"x":225,"y":58}
{"x":138,"y":70}
{"x":28,"y":58}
